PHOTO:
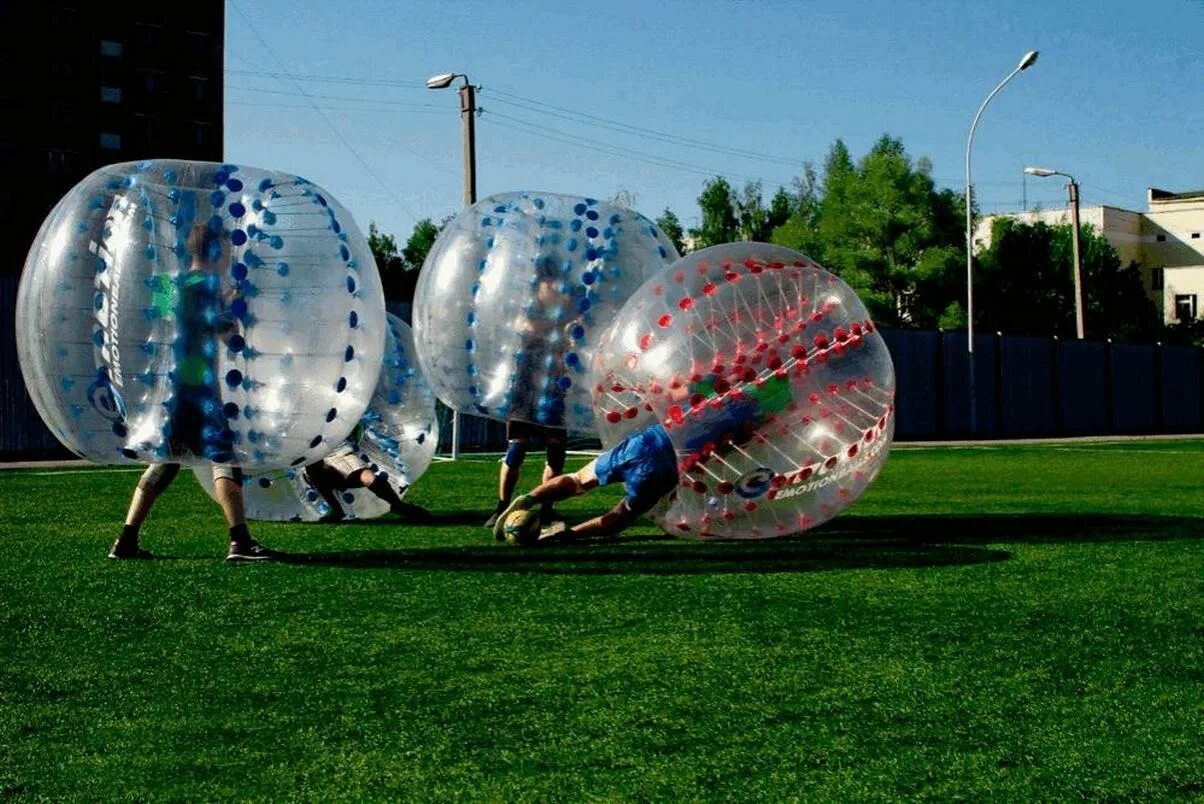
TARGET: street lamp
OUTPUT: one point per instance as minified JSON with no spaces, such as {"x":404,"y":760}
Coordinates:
{"x":1073,"y":187}
{"x":1028,"y":60}
{"x":468,"y":108}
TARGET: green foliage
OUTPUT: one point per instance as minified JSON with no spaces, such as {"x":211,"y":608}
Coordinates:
{"x":719,"y":222}
{"x":882,"y":226}
{"x":671,"y":226}
{"x":1025,"y":284}
{"x":1013,"y":624}
{"x":399,"y":269}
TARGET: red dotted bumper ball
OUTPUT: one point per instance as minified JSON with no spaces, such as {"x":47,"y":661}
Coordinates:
{"x":775,"y":388}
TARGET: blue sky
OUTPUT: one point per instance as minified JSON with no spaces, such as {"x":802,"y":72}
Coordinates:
{"x":651,"y":98}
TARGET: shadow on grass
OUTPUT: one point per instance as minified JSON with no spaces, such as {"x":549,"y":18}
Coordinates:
{"x":1015,"y":528}
{"x":847,"y":543}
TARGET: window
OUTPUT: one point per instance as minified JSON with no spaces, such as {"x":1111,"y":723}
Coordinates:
{"x":1161,"y":238}
{"x":198,"y":87}
{"x":1185,"y":306}
{"x":110,"y":141}
{"x":1195,"y":235}
{"x":110,"y":48}
{"x":150,"y":83}
{"x":1157,"y":277}
{"x":62,"y":163}
{"x":110,"y":94}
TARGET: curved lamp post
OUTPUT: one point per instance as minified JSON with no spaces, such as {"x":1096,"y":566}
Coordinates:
{"x":468,"y":108}
{"x":1028,"y":60}
{"x":1073,"y":188}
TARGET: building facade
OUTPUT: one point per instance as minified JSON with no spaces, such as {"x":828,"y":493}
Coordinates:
{"x":85,"y":84}
{"x":1166,"y":242}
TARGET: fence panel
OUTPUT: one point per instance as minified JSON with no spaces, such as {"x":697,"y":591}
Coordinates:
{"x":1135,"y":388}
{"x":1082,"y":380}
{"x":1026,"y":387}
{"x":1182,"y":371}
{"x":918,"y":402}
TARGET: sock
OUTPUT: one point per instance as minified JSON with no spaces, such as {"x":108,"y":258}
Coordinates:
{"x":502,"y":505}
{"x":129,"y":534}
{"x":239,"y":534}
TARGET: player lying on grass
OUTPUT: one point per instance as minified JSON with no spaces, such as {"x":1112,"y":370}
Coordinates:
{"x":645,"y":462}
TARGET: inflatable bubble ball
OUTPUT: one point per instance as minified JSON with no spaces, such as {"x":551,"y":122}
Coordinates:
{"x":513,"y":294}
{"x":775,"y":388}
{"x":198,"y":313}
{"x":396,"y":438}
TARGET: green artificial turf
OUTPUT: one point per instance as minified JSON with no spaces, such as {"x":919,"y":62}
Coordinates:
{"x":999,"y":623}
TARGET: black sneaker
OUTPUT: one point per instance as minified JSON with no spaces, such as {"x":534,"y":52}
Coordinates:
{"x":251,"y":551}
{"x":121,"y":552}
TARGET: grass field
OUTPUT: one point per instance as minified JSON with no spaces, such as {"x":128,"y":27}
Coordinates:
{"x":1001,"y":623}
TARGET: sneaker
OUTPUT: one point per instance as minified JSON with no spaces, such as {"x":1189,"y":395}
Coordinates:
{"x":251,"y":551}
{"x":412,"y":512}
{"x":492,"y":520}
{"x":553,"y":532}
{"x":520,"y":503}
{"x":332,"y":516}
{"x":121,"y":552}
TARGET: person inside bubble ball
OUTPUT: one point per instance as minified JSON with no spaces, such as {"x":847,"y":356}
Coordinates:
{"x":198,"y":423}
{"x":344,"y":469}
{"x":538,"y":325}
{"x":647,"y":463}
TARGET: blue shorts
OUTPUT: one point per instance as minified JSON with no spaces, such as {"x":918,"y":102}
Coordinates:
{"x":645,"y":462}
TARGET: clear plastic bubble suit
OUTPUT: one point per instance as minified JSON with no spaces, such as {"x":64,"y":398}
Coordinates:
{"x":776,"y":390}
{"x":513,"y":293}
{"x":398,"y":436}
{"x":196,"y":312}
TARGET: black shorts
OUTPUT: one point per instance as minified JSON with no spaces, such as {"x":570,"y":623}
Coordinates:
{"x":518,"y":429}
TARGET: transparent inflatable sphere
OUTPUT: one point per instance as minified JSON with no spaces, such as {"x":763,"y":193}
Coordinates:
{"x":513,"y":294}
{"x":396,"y":439}
{"x":775,"y":388}
{"x":199,"y":313}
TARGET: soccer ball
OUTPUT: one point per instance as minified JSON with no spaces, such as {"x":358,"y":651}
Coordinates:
{"x":521,"y":527}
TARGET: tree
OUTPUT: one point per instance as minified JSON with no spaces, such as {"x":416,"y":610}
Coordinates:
{"x":883,"y":228}
{"x":1026,"y":283}
{"x":671,"y":226}
{"x":420,"y":242}
{"x":718,"y":206}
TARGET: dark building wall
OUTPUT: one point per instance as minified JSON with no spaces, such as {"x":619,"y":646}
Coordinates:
{"x":88,"y":84}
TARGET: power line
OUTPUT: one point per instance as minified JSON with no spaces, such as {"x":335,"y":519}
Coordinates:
{"x":593,"y":120}
{"x":327,"y":79}
{"x":388,"y":190}
{"x":527,"y":127}
{"x":401,"y":104}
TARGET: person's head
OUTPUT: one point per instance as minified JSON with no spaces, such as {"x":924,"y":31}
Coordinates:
{"x":205,"y":245}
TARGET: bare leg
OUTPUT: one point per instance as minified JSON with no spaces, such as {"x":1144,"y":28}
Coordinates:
{"x":229,"y":497}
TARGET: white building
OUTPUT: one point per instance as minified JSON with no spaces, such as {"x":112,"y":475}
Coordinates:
{"x":1166,"y":241}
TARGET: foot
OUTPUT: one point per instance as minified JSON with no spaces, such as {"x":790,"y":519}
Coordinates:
{"x":251,"y":551}
{"x":547,"y":515}
{"x":121,"y":551}
{"x":410,"y":511}
{"x":553,"y":532}
{"x":332,"y":516}
{"x":520,"y":503}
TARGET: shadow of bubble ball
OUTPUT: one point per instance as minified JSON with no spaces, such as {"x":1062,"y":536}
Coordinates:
{"x":199,"y":313}
{"x":396,"y":439}
{"x":513,"y":293}
{"x":775,"y":389}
